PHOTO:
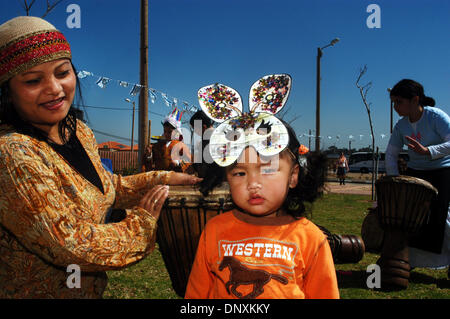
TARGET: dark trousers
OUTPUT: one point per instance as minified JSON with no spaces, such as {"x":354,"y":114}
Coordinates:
{"x":431,"y":236}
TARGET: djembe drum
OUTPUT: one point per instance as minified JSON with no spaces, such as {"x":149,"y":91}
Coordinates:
{"x":344,"y":248}
{"x":180,"y":225}
{"x":403,"y":207}
{"x":371,"y":232}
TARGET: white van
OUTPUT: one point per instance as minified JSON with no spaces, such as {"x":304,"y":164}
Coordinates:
{"x":362,"y":162}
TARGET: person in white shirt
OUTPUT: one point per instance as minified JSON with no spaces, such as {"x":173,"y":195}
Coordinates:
{"x":342,"y":168}
{"x":425,"y":130}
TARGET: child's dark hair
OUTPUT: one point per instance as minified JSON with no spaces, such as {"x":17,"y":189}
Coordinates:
{"x":311,"y":178}
{"x":408,"y":89}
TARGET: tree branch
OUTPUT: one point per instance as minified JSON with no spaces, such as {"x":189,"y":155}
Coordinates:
{"x":50,"y":7}
{"x":363,"y":91}
{"x":27,"y":7}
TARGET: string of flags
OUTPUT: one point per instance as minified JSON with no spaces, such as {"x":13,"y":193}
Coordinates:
{"x":169,"y":101}
{"x":338,"y":137}
{"x":175,"y":103}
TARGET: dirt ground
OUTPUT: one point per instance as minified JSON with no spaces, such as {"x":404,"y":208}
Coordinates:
{"x":349,"y":188}
{"x":361,"y":184}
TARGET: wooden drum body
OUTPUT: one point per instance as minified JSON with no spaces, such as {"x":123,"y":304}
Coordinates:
{"x":403,"y":207}
{"x":371,"y":232}
{"x":180,"y":225}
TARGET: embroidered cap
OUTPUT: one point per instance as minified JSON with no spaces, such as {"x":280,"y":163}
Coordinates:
{"x":29,"y":41}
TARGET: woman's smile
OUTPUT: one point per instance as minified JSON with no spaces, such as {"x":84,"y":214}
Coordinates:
{"x":54,"y":104}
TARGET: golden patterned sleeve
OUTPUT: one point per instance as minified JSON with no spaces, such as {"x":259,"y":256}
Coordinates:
{"x":42,"y":217}
{"x":130,"y":189}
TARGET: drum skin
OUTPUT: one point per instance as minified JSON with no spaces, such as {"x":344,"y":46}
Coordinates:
{"x":404,"y":202}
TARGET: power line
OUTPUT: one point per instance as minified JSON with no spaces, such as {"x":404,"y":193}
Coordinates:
{"x":111,"y":135}
{"x":114,"y":108}
{"x":105,"y":107}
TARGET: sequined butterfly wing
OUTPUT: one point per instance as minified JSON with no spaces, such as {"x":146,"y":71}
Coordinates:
{"x":222,"y":104}
{"x":267,"y":97}
{"x":270,"y":93}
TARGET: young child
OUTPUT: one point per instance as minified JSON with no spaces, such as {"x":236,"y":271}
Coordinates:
{"x":264,"y":248}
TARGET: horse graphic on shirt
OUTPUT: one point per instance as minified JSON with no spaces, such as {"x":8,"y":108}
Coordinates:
{"x":241,"y":275}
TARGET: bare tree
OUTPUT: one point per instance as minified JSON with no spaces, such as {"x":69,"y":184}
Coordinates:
{"x":26,"y":5}
{"x":363,"y":90}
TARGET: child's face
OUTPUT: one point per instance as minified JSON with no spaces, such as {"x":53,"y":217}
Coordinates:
{"x":404,"y":106}
{"x":259,"y":187}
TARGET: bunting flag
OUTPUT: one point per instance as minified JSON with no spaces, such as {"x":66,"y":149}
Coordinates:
{"x":166,"y":99}
{"x":152,"y":95}
{"x":135,"y":90}
{"x":83,"y":74}
{"x":171,"y":102}
{"x":103,"y":82}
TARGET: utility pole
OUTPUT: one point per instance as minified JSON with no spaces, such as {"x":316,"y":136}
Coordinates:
{"x":319,"y":55}
{"x":309,"y":140}
{"x":132,"y":133}
{"x":317,"y":144}
{"x":143,"y":96}
{"x":392,"y":113}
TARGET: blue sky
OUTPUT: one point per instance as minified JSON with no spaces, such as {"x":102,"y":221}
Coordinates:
{"x":193,"y":43}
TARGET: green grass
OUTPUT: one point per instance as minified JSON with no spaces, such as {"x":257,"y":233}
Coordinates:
{"x":339,"y":213}
{"x":147,"y":279}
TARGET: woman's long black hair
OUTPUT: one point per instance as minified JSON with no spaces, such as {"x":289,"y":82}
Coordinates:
{"x":311,"y":178}
{"x":8,"y":115}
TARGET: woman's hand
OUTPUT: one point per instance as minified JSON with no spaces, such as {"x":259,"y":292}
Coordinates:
{"x":417,"y":147}
{"x":154,"y":199}
{"x":183,"y":179}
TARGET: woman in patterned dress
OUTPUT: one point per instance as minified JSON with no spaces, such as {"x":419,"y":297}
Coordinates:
{"x":59,"y":208}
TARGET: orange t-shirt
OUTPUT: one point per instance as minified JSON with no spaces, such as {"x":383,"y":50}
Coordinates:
{"x":273,"y":259}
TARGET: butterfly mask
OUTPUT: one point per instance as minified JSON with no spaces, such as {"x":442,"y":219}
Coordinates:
{"x":237,"y":130}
